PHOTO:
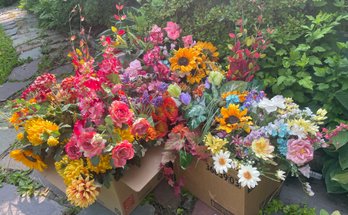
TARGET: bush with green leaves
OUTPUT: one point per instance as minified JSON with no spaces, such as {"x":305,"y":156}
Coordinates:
{"x":8,"y":56}
{"x":309,"y":62}
{"x":5,"y":3}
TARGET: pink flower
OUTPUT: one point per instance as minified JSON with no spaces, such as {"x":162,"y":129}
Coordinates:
{"x":120,"y":113}
{"x":299,"y":151}
{"x":156,"y":35}
{"x":140,"y":127}
{"x":173,"y":30}
{"x":188,"y":41}
{"x":72,"y":149}
{"x":152,"y":56}
{"x":122,"y":152}
{"x":91,"y":143}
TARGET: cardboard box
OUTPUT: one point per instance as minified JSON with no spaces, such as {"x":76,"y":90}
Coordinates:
{"x":124,"y":195}
{"x":223,"y":192}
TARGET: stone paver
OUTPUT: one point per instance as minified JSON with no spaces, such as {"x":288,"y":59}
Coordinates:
{"x":65,"y":69}
{"x":24,"y":72}
{"x":201,"y":208}
{"x":12,"y":31}
{"x":165,"y":196}
{"x":8,"y":136}
{"x":20,"y":39}
{"x":97,"y":208}
{"x":12,"y":204}
{"x":10,"y":88}
{"x":33,"y":54}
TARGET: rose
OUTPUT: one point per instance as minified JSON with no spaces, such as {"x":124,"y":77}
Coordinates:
{"x":174,"y":90}
{"x":120,"y":113}
{"x":140,"y":127}
{"x":188,"y":41}
{"x":173,"y":30}
{"x":215,"y":78}
{"x":121,"y":153}
{"x":72,"y":149}
{"x":91,"y":144}
{"x":299,"y":151}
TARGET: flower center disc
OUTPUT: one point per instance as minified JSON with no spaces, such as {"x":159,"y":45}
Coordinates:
{"x":247,"y":175}
{"x":183,"y":61}
{"x":232,"y":120}
{"x":222,"y":161}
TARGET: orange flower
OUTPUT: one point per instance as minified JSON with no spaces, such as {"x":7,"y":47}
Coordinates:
{"x":170,"y":109}
{"x":233,"y":118}
{"x":161,"y":128}
{"x":151,"y":133}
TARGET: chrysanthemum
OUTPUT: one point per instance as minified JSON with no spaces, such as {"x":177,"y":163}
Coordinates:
{"x":15,"y":120}
{"x":82,"y":192}
{"x":20,"y":136}
{"x":307,"y":126}
{"x":52,"y":141}
{"x":222,"y":162}
{"x":262,"y":148}
{"x":70,"y":169}
{"x":184,"y":60}
{"x":195,"y":76}
{"x":214,"y":144}
{"x":28,"y":158}
{"x":36,"y":127}
{"x":208,"y":50}
{"x":248,"y":176}
{"x":102,"y":166}
{"x":233,"y":118}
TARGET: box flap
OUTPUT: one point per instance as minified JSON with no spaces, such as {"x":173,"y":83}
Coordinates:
{"x":138,"y":177}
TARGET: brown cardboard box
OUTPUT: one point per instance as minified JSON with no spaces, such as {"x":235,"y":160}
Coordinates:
{"x":223,"y":192}
{"x":124,"y":195}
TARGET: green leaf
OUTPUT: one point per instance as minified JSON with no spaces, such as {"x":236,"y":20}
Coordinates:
{"x":343,"y":156}
{"x":340,"y":139}
{"x":281,"y":79}
{"x":323,"y":86}
{"x":333,"y":186}
{"x":302,"y":47}
{"x":320,"y":72}
{"x":303,"y":61}
{"x":233,"y":85}
{"x":342,"y":97}
{"x":341,"y":45}
{"x":341,"y":177}
{"x":95,"y":160}
{"x":318,"y":49}
{"x":323,"y":212}
{"x":307,"y":83}
{"x":185,"y":159}
{"x":313,"y":60}
{"x":336,"y":213}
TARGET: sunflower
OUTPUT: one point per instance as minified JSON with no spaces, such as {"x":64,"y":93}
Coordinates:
{"x":28,"y":158}
{"x":102,"y":166}
{"x":233,"y":118}
{"x":184,"y":60}
{"x":196,"y":76}
{"x":208,"y":49}
{"x":36,"y":127}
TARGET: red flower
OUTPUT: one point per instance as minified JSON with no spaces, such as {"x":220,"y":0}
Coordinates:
{"x":120,"y":113}
{"x":161,"y":128}
{"x":170,"y":109}
{"x":140,"y":127}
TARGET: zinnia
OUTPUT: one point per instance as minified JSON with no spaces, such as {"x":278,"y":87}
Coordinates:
{"x":121,"y":153}
{"x":299,"y":151}
{"x":120,"y":113}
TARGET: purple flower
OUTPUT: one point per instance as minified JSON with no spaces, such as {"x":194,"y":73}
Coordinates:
{"x":157,"y":101}
{"x":185,"y":98}
{"x":145,"y":98}
{"x":206,"y":84}
{"x":162,"y":87}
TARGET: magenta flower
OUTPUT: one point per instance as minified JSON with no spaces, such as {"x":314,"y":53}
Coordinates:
{"x":72,"y":149}
{"x":156,"y":35}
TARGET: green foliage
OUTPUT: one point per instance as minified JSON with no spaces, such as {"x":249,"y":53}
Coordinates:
{"x":25,"y":185}
{"x":335,"y":169}
{"x":8,"y":56}
{"x":306,"y":63}
{"x":5,"y":3}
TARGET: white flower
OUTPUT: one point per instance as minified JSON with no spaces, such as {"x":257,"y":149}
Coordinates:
{"x":308,"y":189}
{"x":272,"y":105}
{"x":222,"y":162}
{"x":298,"y":131}
{"x":279,"y":101}
{"x":280,"y":174}
{"x":248,"y":176}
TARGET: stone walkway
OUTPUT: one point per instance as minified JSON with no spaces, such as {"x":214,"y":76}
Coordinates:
{"x":30,"y":42}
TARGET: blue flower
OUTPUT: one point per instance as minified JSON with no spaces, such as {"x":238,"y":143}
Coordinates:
{"x":232,"y":99}
{"x":283,"y":147}
{"x":185,"y":98}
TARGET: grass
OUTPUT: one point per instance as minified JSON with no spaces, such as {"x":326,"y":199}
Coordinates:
{"x":8,"y":56}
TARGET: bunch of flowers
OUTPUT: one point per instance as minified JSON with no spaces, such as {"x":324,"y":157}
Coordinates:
{"x":166,"y":89}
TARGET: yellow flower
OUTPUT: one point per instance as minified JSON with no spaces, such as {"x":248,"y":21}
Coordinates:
{"x":52,"y":141}
{"x":195,"y":76}
{"x":320,"y":116}
{"x":103,"y":165}
{"x":82,"y":192}
{"x":214,"y":144}
{"x":125,"y":134}
{"x":233,"y":118}
{"x":29,"y":159}
{"x":20,"y":136}
{"x":71,"y":169}
{"x":15,"y":120}
{"x":307,"y":126}
{"x":184,"y":60}
{"x":36,"y":127}
{"x":208,"y":50}
{"x":262,"y":148}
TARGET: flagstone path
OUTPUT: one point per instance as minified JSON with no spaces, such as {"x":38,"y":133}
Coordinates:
{"x":29,"y":40}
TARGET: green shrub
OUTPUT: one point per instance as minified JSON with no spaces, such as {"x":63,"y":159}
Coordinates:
{"x":8,"y":56}
{"x":6,"y":3}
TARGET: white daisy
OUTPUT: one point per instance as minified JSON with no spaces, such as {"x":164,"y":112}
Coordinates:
{"x":248,"y":176}
{"x":280,"y":174}
{"x":222,"y":162}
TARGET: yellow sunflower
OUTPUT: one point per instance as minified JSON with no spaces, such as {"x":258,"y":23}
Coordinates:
{"x":29,"y":159}
{"x":36,"y":127}
{"x":208,"y":49}
{"x":233,"y":118}
{"x":184,"y":60}
{"x":196,"y":76}
{"x":103,"y":165}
